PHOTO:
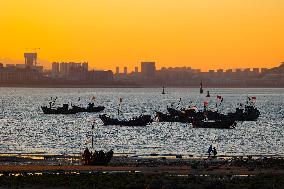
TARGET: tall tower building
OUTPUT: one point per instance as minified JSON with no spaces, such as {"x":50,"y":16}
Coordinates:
{"x":55,"y":69}
{"x":30,"y":60}
{"x":125,"y":70}
{"x":148,"y":69}
{"x":136,"y":69}
{"x":85,"y":66}
{"x":117,"y":70}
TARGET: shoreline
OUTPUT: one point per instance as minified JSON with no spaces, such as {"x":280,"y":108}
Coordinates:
{"x":146,"y":172}
{"x":38,"y":86}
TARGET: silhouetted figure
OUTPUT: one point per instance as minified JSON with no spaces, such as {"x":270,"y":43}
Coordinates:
{"x":109,"y":155}
{"x":214,"y":152}
{"x":209,"y":150}
{"x":87,"y":156}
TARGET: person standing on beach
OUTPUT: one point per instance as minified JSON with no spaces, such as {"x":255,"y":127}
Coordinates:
{"x":87,"y":156}
{"x":214,"y":152}
{"x":209,"y":150}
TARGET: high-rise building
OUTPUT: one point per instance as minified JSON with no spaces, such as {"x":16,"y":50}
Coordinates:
{"x":55,"y":69}
{"x":255,"y":70}
{"x":136,"y":69}
{"x":117,"y":70}
{"x":85,"y":66}
{"x":148,"y":69}
{"x":30,"y":60}
{"x":125,"y":70}
{"x":70,"y":70}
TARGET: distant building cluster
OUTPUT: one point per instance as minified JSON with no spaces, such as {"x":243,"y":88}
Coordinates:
{"x":70,"y":70}
{"x":78,"y":73}
{"x":28,"y":72}
{"x":186,"y":76}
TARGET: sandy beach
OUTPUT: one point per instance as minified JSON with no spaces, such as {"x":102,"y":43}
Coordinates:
{"x":252,"y":169}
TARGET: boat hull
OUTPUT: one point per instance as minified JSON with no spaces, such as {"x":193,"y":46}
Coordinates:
{"x":217,"y":124}
{"x":140,"y":121}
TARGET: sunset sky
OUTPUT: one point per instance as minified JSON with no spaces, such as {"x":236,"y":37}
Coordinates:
{"x":206,"y":34}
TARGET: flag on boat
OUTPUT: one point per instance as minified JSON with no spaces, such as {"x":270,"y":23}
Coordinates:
{"x":206,"y":103}
{"x":253,"y":98}
{"x":219,"y":97}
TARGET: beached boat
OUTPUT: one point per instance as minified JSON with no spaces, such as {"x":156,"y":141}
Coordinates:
{"x":142,"y":120}
{"x":217,"y":124}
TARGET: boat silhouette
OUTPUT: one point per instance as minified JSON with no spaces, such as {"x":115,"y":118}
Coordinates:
{"x":142,"y":120}
{"x":66,"y":109}
{"x":216,"y":124}
{"x":249,"y":113}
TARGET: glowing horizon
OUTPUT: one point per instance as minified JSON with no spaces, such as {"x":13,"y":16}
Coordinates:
{"x":201,"y":34}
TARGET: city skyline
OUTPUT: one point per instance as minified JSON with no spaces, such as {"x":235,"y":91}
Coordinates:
{"x":123,"y":68}
{"x":199,"y":34}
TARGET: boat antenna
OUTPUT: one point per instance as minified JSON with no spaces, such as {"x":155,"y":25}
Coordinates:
{"x":2,"y":107}
{"x":120,"y":101}
{"x":93,"y":127}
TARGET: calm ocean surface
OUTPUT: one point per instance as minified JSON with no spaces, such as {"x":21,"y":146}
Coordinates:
{"x":24,"y":128}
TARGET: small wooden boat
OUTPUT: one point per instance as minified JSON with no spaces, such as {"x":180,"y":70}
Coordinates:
{"x":142,"y":120}
{"x":59,"y":110}
{"x":182,"y":118}
{"x":91,"y":108}
{"x":166,"y":117}
{"x":249,"y":113}
{"x":73,"y":110}
{"x":173,"y":112}
{"x":216,"y":124}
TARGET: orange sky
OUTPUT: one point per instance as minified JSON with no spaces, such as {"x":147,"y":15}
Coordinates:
{"x":206,"y":34}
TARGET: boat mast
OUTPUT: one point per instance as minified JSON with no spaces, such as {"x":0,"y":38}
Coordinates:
{"x":2,"y":108}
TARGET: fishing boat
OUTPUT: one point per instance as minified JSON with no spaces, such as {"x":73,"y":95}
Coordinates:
{"x":166,"y":117}
{"x":182,"y":118}
{"x":59,"y":110}
{"x":216,"y":124}
{"x":142,"y":120}
{"x":90,"y":108}
{"x":197,"y":115}
{"x":249,"y":113}
{"x":174,"y":112}
{"x":73,"y":110}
